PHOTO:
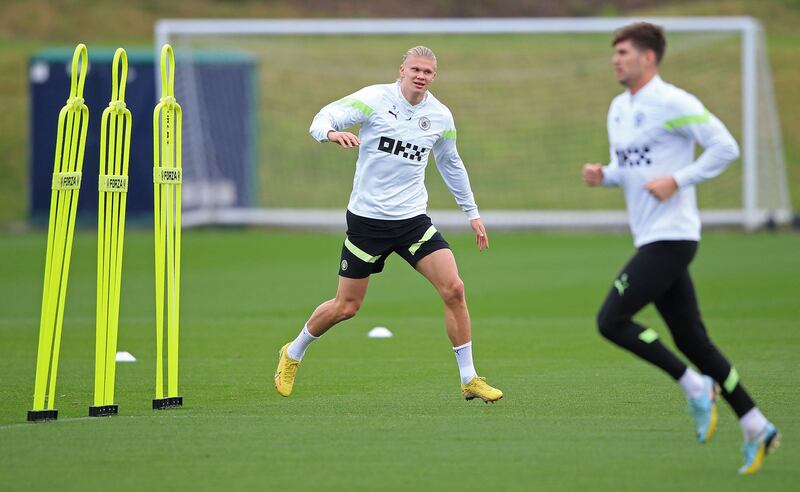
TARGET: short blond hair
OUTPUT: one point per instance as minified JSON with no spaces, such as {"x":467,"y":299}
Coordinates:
{"x":422,"y":51}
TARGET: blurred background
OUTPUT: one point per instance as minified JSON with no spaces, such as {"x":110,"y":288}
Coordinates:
{"x":541,"y":99}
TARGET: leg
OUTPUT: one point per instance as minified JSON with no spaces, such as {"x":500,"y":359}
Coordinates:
{"x":441,"y":270}
{"x":439,"y":267}
{"x":678,"y":306}
{"x":364,"y":250}
{"x":344,"y":306}
{"x":646,"y":276}
{"x":363,"y":253}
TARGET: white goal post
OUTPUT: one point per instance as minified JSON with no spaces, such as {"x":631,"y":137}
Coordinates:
{"x":764,"y":194}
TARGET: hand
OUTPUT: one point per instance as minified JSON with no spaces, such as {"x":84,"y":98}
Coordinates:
{"x":481,"y":238}
{"x":593,"y":174}
{"x":661,"y":188}
{"x":345,"y":139}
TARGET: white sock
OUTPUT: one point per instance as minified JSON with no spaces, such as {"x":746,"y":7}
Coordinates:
{"x":753,"y":422}
{"x":692,"y":383}
{"x":464,"y":359}
{"x":297,"y":349}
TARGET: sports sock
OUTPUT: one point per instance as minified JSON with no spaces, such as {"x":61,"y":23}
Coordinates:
{"x":753,"y":422}
{"x":728,"y":378}
{"x":297,"y":348}
{"x":464,"y":359}
{"x":692,"y":383}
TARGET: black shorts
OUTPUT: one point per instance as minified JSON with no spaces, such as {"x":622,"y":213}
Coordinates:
{"x":370,"y":241}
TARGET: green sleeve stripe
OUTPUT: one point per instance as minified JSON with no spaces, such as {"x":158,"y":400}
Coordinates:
{"x":688,"y":120}
{"x":731,"y":381}
{"x":449,"y":134}
{"x":648,"y":336}
{"x":428,"y":234}
{"x":360,"y":253}
{"x":366,"y":110}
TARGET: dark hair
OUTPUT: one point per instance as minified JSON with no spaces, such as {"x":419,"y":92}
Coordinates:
{"x":644,"y":36}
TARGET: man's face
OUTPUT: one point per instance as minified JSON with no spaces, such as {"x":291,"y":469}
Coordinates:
{"x":630,"y":63}
{"x":416,"y":74}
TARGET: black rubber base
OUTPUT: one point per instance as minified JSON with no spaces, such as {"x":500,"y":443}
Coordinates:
{"x":168,"y":402}
{"x":40,"y":415}
{"x":103,"y":411}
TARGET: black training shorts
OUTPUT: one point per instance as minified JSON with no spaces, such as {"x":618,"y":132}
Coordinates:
{"x":370,"y":241}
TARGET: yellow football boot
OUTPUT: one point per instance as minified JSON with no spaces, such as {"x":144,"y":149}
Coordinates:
{"x":477,"y":388}
{"x":285,"y":373}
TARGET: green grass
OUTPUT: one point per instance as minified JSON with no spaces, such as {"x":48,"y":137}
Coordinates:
{"x":578,"y":414}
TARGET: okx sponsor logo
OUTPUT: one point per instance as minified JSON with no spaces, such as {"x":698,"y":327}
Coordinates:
{"x":404,"y":149}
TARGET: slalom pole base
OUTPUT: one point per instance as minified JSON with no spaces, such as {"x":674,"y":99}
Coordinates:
{"x":42,"y":415}
{"x":103,"y":411}
{"x":168,"y":402}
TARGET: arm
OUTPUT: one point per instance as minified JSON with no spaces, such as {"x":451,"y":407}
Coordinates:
{"x":692,"y":120}
{"x":454,"y":174}
{"x":720,"y":148}
{"x":339,"y":115}
{"x":597,"y":174}
{"x":611,"y":172}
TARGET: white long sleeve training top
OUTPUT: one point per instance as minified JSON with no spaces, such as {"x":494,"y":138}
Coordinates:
{"x":652,"y":134}
{"x":396,"y":140}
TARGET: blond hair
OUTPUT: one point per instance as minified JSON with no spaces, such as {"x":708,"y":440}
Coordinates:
{"x":422,"y":51}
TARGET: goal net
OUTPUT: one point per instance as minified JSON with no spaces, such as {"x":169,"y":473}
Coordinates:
{"x":529,"y":97}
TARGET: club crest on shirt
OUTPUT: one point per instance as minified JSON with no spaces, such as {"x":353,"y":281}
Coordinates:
{"x":638,"y":119}
{"x":425,"y":123}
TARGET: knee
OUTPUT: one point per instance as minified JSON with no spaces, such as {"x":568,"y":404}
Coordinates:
{"x":453,"y":292}
{"x":347,"y":308}
{"x":607,"y":324}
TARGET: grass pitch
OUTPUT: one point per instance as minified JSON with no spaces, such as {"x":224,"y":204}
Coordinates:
{"x":578,"y":413}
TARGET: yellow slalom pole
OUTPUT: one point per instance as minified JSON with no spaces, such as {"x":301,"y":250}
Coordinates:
{"x":123,"y":160}
{"x":159,"y":256}
{"x":100,"y":327}
{"x":46,"y":330}
{"x":112,"y":188}
{"x":57,"y":274}
{"x":167,"y":179}
{"x":172,"y":360}
{"x":67,"y":168}
{"x":177,"y":275}
{"x":75,"y":166}
{"x":113,"y":240}
{"x":112,"y":237}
